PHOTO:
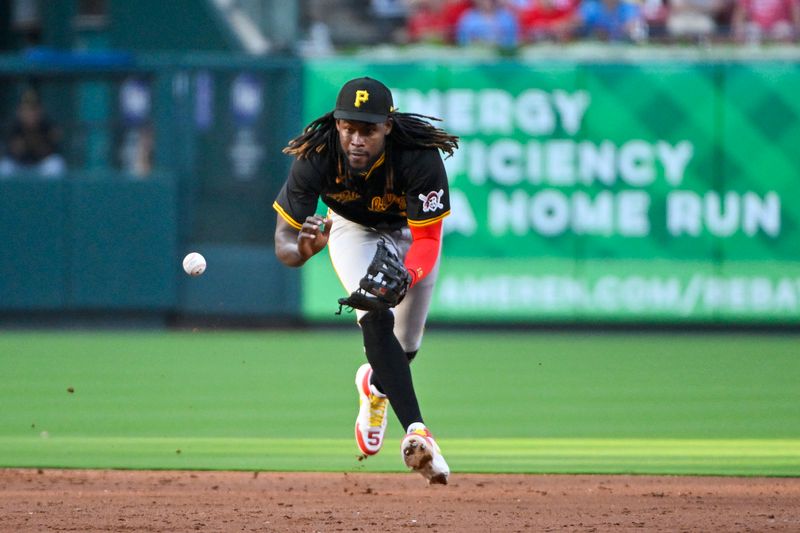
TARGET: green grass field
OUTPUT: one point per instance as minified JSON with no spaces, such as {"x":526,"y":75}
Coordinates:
{"x":724,"y":404}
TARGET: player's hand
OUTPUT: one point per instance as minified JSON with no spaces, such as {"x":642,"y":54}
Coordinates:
{"x":313,"y":236}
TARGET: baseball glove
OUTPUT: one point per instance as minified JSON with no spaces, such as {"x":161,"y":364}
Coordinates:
{"x":384,"y":286}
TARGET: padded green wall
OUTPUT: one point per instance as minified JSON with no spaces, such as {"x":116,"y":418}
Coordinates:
{"x":88,"y":244}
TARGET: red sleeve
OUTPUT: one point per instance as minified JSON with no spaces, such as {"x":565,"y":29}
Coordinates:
{"x":424,"y":250}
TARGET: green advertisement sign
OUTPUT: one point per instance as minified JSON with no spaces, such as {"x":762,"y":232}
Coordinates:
{"x":580,"y":192}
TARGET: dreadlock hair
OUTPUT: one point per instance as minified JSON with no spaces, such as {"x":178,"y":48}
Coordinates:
{"x":409,"y":130}
{"x":319,"y":135}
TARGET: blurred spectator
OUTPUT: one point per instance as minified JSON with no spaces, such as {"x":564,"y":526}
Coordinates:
{"x":318,"y":40}
{"x":548,"y":20}
{"x":693,"y":20}
{"x":766,"y":20}
{"x":723,"y":20}
{"x":656,"y":14}
{"x":390,"y":17}
{"x":611,"y":20}
{"x":32,"y":145}
{"x":136,"y":152}
{"x":434,"y":21}
{"x":26,"y":21}
{"x":452,"y":11}
{"x":426,"y":22}
{"x":489,"y":22}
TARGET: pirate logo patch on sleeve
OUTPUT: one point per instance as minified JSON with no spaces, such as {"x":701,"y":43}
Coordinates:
{"x":432,"y":201}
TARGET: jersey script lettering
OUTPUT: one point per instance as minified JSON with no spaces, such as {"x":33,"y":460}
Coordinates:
{"x":344,"y":196}
{"x":382,"y":203}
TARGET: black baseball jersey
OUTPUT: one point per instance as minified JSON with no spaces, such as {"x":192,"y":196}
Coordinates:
{"x":416,"y":194}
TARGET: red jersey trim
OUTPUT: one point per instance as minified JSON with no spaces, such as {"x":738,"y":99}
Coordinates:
{"x":427,"y":221}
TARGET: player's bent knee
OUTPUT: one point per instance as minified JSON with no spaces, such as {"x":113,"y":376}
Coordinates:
{"x":376,"y":326}
{"x":377,"y":319}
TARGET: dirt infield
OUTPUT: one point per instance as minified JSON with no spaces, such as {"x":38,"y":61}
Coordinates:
{"x":113,"y":500}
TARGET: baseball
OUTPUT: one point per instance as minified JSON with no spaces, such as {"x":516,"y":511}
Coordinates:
{"x":194,"y":264}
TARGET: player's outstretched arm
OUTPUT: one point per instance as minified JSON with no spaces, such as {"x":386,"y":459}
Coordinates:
{"x":294,"y":247}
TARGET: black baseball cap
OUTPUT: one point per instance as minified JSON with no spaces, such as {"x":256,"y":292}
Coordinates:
{"x":364,"y":100}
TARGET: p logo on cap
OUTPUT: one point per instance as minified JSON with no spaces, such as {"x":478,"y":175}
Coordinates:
{"x":361,"y":97}
{"x":364,"y":99}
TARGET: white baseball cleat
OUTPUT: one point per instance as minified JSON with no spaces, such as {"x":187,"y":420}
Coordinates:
{"x":371,"y":419}
{"x":421,"y":454}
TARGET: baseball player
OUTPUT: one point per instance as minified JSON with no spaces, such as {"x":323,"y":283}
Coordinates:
{"x":380,"y":172}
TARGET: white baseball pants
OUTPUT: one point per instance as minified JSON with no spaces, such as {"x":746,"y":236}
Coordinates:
{"x":352,"y":247}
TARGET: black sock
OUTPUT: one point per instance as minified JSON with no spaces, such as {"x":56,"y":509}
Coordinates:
{"x":373,"y":380}
{"x":390,"y":365}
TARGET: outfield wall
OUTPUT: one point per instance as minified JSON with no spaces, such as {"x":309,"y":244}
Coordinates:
{"x":646,"y":191}
{"x":634,"y":190}
{"x":105,"y":240}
